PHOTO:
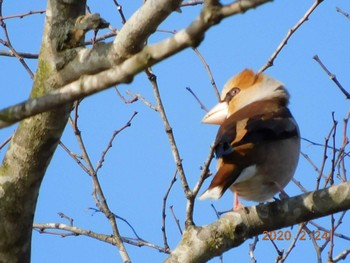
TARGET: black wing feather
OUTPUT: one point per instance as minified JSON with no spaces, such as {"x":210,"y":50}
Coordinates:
{"x":277,"y":125}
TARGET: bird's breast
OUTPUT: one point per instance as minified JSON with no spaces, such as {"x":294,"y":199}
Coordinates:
{"x":272,"y":171}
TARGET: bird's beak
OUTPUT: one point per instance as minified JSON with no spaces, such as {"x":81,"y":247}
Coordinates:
{"x":216,"y":115}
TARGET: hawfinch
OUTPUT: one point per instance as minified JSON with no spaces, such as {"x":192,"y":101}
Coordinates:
{"x":258,"y":142}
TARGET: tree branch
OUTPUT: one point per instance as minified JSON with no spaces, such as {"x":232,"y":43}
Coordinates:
{"x":199,"y":244}
{"x":34,"y":139}
{"x":284,"y":42}
{"x":124,"y":73}
{"x":332,"y":77}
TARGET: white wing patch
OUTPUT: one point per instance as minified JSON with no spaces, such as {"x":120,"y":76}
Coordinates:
{"x":246,"y":174}
{"x":213,"y":194}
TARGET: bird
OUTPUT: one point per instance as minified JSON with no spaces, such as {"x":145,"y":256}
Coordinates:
{"x":258,"y":142}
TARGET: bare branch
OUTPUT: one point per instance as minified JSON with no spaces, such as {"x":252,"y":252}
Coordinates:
{"x":141,"y":98}
{"x":23,"y":15}
{"x":197,"y":99}
{"x":8,"y":44}
{"x":124,"y":72}
{"x":332,"y":77}
{"x":294,"y":241}
{"x":205,"y":171}
{"x":210,"y":74}
{"x":165,"y":198}
{"x":342,"y":236}
{"x":5,"y":142}
{"x":63,"y":215}
{"x":74,"y":156}
{"x":171,"y":138}
{"x":322,"y":145}
{"x":177,"y":221}
{"x":284,"y":42}
{"x":343,"y":13}
{"x":325,"y":157}
{"x":100,"y":199}
{"x":109,"y":146}
{"x":252,"y":247}
{"x":301,"y":187}
{"x":192,"y":2}
{"x":21,"y":54}
{"x":199,"y":244}
{"x":120,"y":218}
{"x":204,"y":174}
{"x":120,"y":10}
{"x":342,"y":255}
{"x":76,"y":231}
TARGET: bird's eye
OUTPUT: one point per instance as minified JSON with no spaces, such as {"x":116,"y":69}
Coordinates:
{"x":233,"y":92}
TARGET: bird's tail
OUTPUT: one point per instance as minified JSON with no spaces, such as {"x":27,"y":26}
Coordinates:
{"x":223,"y":179}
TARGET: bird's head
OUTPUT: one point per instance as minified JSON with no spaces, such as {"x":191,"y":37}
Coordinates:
{"x":242,"y":90}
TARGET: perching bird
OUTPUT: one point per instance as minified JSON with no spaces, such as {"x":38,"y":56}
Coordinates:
{"x":258,"y":142}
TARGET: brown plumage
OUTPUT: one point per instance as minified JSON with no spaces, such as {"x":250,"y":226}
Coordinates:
{"x":258,"y":142}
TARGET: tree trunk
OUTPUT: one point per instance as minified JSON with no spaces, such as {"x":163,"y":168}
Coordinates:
{"x":36,"y":138}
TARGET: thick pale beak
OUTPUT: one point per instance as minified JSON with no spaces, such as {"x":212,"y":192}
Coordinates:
{"x":216,"y":115}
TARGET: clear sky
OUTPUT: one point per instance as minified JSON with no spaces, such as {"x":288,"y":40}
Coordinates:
{"x":139,"y":167}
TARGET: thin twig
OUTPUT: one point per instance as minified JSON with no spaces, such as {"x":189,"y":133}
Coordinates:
{"x":98,"y":194}
{"x":109,"y":145}
{"x":63,"y":215}
{"x":343,"y":13}
{"x":345,"y":143}
{"x":197,"y":99}
{"x":284,"y":42}
{"x":22,"y":54}
{"x":321,"y":228}
{"x":192,"y":3}
{"x":205,"y":171}
{"x":126,"y":101}
{"x":204,"y":174}
{"x":332,"y":132}
{"x":210,"y":74}
{"x":120,"y":11}
{"x":176,"y":155}
{"x":252,"y":247}
{"x":24,"y":14}
{"x":297,"y":183}
{"x":177,"y":221}
{"x":76,"y":231}
{"x":341,"y":256}
{"x":142,"y":243}
{"x":206,"y":66}
{"x":312,"y":164}
{"x":74,"y":156}
{"x":294,"y":241}
{"x":138,"y":96}
{"x":5,"y":142}
{"x":165,"y":198}
{"x":8,"y":44}
{"x":332,"y":77}
{"x":331,"y":238}
{"x":324,"y":159}
{"x":120,"y":218}
{"x":97,"y":39}
{"x":216,"y":211}
{"x":316,"y":247}
{"x":279,"y":252}
{"x":322,"y":145}
{"x":330,"y":179}
{"x":334,"y":229}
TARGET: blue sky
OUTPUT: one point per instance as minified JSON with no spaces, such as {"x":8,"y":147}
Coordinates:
{"x":139,"y":167}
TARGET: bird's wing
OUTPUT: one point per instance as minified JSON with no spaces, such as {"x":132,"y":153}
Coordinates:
{"x":240,"y":133}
